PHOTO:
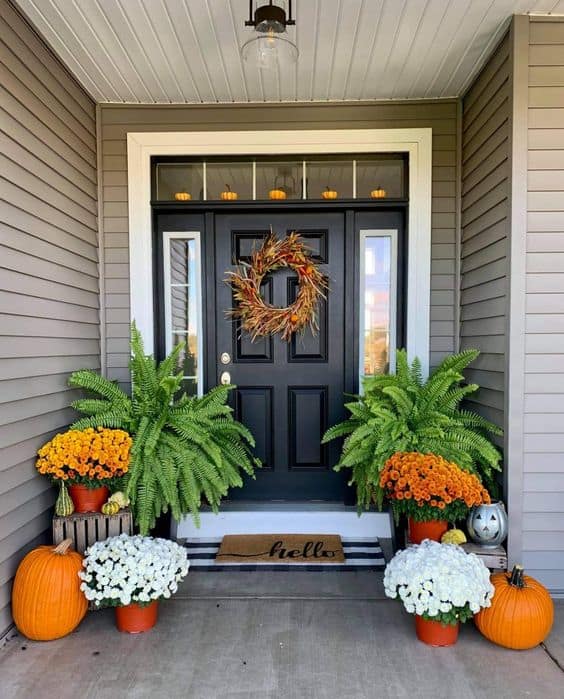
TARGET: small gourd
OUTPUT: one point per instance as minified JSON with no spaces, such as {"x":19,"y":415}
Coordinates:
{"x":110,"y":508}
{"x":182,"y":196}
{"x":277,"y":194}
{"x":64,"y":506}
{"x":120,"y":498}
{"x":521,"y":614}
{"x":228,"y":195}
{"x":329,"y":193}
{"x":378,"y":193}
{"x":453,"y":536}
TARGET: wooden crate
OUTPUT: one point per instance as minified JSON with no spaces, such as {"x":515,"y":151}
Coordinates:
{"x":494,"y":558}
{"x":87,"y":528}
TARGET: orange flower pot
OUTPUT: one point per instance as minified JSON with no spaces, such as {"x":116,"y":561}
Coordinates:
{"x":135,"y":619}
{"x":434,"y":529}
{"x":433,"y":633}
{"x":88,"y":499}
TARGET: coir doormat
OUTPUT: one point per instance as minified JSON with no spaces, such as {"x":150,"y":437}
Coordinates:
{"x":294,"y":549}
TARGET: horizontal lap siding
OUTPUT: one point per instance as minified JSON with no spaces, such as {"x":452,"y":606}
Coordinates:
{"x":485,"y":227}
{"x":49,"y":317}
{"x":543,"y":498}
{"x":117,"y":121}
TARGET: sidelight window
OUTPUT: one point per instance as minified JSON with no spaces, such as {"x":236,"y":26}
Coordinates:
{"x":183,"y":307}
{"x":378,"y":302}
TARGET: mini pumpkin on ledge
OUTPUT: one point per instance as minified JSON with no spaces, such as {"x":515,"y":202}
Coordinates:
{"x":277,"y":194}
{"x":229,"y":194}
{"x":378,"y":193}
{"x":329,"y":193}
{"x":182,"y":196}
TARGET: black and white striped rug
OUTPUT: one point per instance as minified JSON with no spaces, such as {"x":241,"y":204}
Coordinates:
{"x":360,"y":554}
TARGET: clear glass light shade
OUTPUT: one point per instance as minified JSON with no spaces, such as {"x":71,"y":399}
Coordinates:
{"x":270,"y":51}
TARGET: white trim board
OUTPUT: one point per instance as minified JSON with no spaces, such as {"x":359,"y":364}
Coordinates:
{"x":417,"y":143}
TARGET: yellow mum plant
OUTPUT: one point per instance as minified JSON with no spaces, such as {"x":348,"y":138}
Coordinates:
{"x":91,"y":457}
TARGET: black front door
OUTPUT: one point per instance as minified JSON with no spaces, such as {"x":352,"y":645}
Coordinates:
{"x":288,"y":393}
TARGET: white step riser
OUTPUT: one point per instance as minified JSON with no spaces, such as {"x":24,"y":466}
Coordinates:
{"x":347,"y":524}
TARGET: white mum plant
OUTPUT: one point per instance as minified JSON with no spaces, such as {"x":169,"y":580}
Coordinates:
{"x":440,"y":582}
{"x":132,"y":569}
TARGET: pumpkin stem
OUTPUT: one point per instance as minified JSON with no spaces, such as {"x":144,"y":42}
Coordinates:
{"x":228,"y":187}
{"x":63,"y":547}
{"x":516,"y":577}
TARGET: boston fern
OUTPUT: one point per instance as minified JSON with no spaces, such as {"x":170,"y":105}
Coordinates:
{"x":402,"y":412}
{"x":183,"y":447}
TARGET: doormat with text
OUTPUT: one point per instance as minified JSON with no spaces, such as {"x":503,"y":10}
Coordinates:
{"x":361,"y":554}
{"x":275,"y":549}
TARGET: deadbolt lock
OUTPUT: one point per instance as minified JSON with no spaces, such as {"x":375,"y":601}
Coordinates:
{"x":225,"y":358}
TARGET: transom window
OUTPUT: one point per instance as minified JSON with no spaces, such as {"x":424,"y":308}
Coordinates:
{"x":319,"y":177}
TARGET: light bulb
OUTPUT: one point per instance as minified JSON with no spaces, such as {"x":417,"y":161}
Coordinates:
{"x":270,"y":51}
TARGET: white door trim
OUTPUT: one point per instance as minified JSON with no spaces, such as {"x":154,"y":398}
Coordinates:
{"x":416,"y":142}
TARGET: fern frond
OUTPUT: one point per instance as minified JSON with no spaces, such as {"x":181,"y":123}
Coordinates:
{"x":402,"y":412}
{"x":183,"y":448}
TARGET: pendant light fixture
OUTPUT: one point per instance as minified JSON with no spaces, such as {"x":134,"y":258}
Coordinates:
{"x":268,"y":49}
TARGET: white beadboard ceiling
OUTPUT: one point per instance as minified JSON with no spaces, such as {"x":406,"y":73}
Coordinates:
{"x":188,"y":51}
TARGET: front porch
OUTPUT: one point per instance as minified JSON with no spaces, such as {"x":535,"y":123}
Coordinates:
{"x":273,"y":636}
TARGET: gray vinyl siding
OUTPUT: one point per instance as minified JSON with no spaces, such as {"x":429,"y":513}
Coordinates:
{"x":485,"y":228}
{"x":49,"y":293}
{"x":543,"y":471}
{"x":116,"y":121}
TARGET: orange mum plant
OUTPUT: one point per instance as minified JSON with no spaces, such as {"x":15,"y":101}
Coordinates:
{"x":90,"y":457}
{"x":426,"y":487}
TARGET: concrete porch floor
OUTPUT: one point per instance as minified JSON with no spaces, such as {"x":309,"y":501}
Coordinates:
{"x":277,"y":636}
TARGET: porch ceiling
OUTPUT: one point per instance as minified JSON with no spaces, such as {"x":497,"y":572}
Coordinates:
{"x":187,"y":51}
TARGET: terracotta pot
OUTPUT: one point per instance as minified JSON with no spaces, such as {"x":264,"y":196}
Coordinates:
{"x":434,"y":529}
{"x":88,"y":499}
{"x":433,"y":633}
{"x":136,"y":619}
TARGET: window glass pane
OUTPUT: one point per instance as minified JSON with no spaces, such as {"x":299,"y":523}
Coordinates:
{"x":173,"y":180}
{"x":187,"y":361}
{"x":229,"y":177}
{"x":377,"y":320}
{"x":275,"y":177}
{"x":182,"y":306}
{"x":379,"y":178}
{"x":190,"y":387}
{"x":326,"y":177}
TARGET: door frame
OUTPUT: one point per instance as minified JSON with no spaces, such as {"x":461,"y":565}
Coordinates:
{"x":417,"y":143}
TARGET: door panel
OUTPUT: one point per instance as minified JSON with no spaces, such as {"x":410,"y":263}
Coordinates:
{"x":287,"y":393}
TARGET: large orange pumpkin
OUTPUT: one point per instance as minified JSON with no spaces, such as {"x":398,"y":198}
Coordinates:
{"x":47,"y":602}
{"x":521,"y":614}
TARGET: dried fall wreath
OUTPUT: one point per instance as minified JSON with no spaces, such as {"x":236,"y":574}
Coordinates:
{"x":260,"y":318}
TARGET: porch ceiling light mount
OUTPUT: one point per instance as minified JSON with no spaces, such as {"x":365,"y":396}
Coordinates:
{"x":268,"y":50}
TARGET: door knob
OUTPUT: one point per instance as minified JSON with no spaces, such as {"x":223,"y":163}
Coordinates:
{"x":225,"y":378}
